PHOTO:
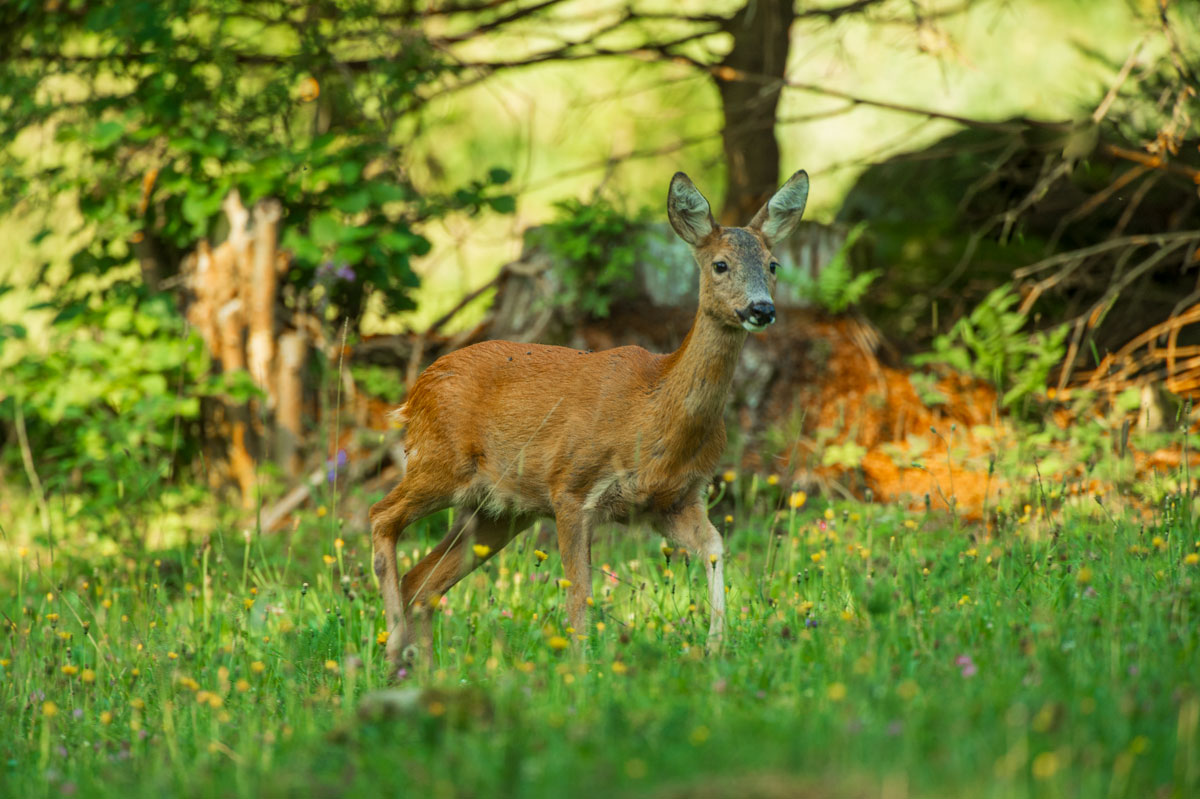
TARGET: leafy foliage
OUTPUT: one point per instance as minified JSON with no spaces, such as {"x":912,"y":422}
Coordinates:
{"x":991,"y":343}
{"x":598,"y":248}
{"x":836,"y":287}
{"x":160,"y":110}
{"x":106,"y":402}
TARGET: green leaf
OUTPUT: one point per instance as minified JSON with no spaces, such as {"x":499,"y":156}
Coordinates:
{"x":325,"y":230}
{"x":354,"y":203}
{"x":70,"y":312}
{"x":504,"y":204}
{"x":105,"y":134}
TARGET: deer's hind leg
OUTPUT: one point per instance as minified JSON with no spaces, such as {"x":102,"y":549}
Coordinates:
{"x":416,"y":495}
{"x":454,"y":557}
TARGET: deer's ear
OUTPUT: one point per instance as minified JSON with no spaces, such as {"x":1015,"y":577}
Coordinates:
{"x":779,"y":217}
{"x":688,"y":211}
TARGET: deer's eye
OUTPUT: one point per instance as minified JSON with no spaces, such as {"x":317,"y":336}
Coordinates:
{"x":774,"y":266}
{"x":720,"y":267}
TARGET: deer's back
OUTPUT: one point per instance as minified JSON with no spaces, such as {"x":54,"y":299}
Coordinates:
{"x":517,"y":424}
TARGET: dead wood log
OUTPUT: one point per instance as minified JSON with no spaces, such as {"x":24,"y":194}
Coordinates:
{"x":233,"y":293}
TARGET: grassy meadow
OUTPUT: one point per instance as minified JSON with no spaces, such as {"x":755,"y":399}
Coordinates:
{"x":871,"y":651}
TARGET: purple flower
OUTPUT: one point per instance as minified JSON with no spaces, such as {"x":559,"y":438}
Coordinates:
{"x":402,"y":674}
{"x":811,"y":623}
{"x":968,"y":667}
{"x":330,"y":270}
{"x":335,"y":464}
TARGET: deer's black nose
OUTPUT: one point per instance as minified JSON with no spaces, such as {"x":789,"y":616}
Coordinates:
{"x":761,"y":313}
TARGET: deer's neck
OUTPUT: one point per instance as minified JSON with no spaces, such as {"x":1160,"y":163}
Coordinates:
{"x":696,"y":377}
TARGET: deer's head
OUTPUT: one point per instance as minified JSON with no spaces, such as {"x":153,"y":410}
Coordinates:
{"x":737,"y":269}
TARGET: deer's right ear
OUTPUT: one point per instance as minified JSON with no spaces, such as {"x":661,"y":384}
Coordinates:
{"x":688,"y":211}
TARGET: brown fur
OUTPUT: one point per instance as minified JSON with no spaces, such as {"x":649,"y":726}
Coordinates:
{"x":512,"y":432}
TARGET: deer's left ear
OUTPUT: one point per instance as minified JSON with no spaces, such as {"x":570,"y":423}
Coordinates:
{"x":779,"y":217}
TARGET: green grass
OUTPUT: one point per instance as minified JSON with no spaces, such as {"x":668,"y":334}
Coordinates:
{"x":871,"y":652}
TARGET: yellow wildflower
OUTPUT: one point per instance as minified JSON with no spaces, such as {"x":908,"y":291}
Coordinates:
{"x":557,"y":642}
{"x":1045,"y":765}
{"x":797,"y":500}
{"x":836,"y":692}
{"x":481,"y":550}
{"x":729,"y":476}
{"x":540,"y":555}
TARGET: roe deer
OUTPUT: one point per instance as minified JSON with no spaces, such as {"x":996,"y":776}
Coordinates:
{"x":512,"y":432}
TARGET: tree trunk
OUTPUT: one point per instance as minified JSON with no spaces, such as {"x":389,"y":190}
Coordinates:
{"x":760,"y":49}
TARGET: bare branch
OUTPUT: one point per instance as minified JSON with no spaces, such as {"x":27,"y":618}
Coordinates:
{"x":500,"y":21}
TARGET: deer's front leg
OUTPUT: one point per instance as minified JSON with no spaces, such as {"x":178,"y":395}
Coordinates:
{"x":692,"y":530}
{"x":575,"y":547}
